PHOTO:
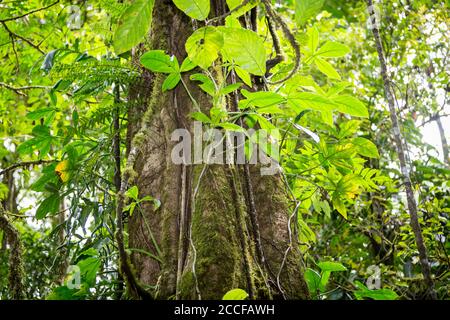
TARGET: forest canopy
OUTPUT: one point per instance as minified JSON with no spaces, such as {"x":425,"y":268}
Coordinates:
{"x":224,"y":149}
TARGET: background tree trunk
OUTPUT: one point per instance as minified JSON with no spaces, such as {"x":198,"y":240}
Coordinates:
{"x":202,"y":229}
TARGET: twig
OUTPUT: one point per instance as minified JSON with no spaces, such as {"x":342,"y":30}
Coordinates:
{"x":15,"y":35}
{"x":24,"y":164}
{"x":19,"y":90}
{"x":28,"y":13}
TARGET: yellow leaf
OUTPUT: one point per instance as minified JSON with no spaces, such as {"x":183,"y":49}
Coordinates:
{"x":62,"y":170}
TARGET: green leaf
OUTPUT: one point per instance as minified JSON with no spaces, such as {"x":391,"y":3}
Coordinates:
{"x":232,"y":4}
{"x":171,"y":81}
{"x":313,"y":281}
{"x":133,"y":26}
{"x":200,"y":116}
{"x":333,"y":50}
{"x":243,"y":75}
{"x":203,"y":46}
{"x":331,"y":266}
{"x":159,"y":61}
{"x":41,"y":113}
{"x":260,"y":99}
{"x":313,"y":39}
{"x":308,"y":100}
{"x":379,"y":294}
{"x":365,"y":147}
{"x":196,"y":9}
{"x":326,"y":68}
{"x":339,"y":205}
{"x":88,"y":269}
{"x":49,"y":205}
{"x":235,"y":294}
{"x":187,"y":65}
{"x":230,"y":88}
{"x":245,"y":48}
{"x":350,"y":105}
{"x":133,"y":193}
{"x":231,"y":127}
{"x":207,"y":84}
{"x":305,"y":9}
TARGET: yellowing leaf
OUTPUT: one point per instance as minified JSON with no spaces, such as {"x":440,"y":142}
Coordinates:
{"x":62,"y":170}
{"x":203,"y":46}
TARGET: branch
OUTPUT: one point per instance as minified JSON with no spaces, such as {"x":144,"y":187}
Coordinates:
{"x":24,"y":164}
{"x":289,"y":36}
{"x":19,"y":90}
{"x":28,"y":13}
{"x":15,"y":35}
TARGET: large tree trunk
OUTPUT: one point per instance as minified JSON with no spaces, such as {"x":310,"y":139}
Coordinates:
{"x":203,"y":228}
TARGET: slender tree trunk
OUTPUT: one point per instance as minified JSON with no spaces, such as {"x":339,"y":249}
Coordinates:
{"x":412,"y":206}
{"x":443,"y":140}
{"x":202,"y":234}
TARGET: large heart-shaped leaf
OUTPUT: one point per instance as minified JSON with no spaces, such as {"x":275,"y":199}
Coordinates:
{"x":133,"y":26}
{"x":245,"y":48}
{"x":196,"y":9}
{"x":203,"y":46}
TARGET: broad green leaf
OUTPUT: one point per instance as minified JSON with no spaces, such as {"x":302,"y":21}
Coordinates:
{"x":207,"y":84}
{"x":171,"y":81}
{"x":159,"y":61}
{"x":246,"y":49}
{"x":308,"y":100}
{"x":326,"y":68}
{"x":196,"y":9}
{"x":88,"y":269}
{"x":339,"y":205}
{"x":49,"y":205}
{"x":187,"y":65}
{"x":350,"y":105}
{"x":233,"y":4}
{"x":200,"y":116}
{"x":333,"y":50}
{"x":231,"y":127}
{"x":313,"y":39}
{"x":133,"y":193}
{"x":133,"y":26}
{"x":235,"y":294}
{"x":365,"y":147}
{"x":379,"y":294}
{"x":313,"y":281}
{"x":331,"y":266}
{"x":41,"y":113}
{"x":230,"y":88}
{"x":305,"y":9}
{"x":203,"y":46}
{"x":64,"y":293}
{"x":260,"y":99}
{"x":244,"y":75}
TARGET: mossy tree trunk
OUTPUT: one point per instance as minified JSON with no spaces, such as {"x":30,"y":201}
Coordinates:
{"x":202,"y":232}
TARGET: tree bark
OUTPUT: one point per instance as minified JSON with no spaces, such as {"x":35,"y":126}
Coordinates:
{"x":412,"y":205}
{"x":202,"y":232}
